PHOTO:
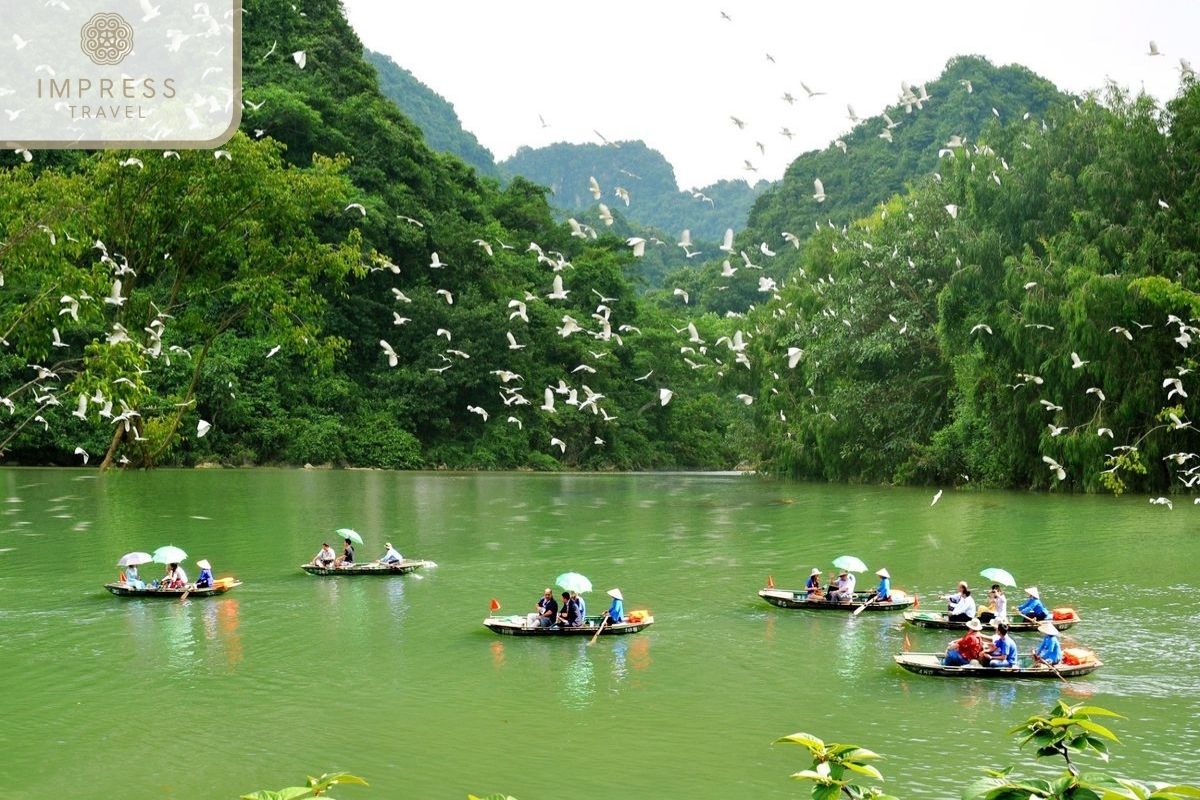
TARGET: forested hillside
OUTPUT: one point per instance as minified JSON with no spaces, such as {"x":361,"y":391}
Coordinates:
{"x":655,"y":199}
{"x":327,"y":288}
{"x":329,"y":291}
{"x":879,"y":156}
{"x":432,"y":113}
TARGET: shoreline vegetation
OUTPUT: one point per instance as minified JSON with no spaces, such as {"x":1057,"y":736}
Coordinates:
{"x":1011,"y":306}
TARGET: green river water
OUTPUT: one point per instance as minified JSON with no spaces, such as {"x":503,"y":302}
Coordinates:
{"x":395,"y":679}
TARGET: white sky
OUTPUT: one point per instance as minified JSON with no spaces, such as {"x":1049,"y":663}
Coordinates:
{"x":672,"y":73}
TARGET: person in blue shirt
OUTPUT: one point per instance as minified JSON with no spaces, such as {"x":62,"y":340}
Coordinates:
{"x":132,"y":577}
{"x":883,"y":592}
{"x":1049,"y":651}
{"x":1033,"y":608}
{"x":1003,"y":652}
{"x":546,"y":613}
{"x":812,"y":589}
{"x":581,"y":607}
{"x":568,"y":613}
{"x":616,"y":611}
{"x":390,"y":555}
{"x":205,"y":580}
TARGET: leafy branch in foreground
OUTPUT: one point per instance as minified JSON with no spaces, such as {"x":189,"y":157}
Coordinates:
{"x":834,"y":767}
{"x":316,"y":787}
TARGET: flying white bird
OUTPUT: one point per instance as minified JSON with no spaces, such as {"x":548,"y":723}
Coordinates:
{"x":952,"y":210}
{"x":664,"y":396}
{"x":1096,"y":391}
{"x":301,"y":58}
{"x":727,"y":243}
{"x":359,"y":207}
{"x":399,"y":320}
{"x":818,"y":191}
{"x":114,"y":297}
{"x":1153,"y":51}
{"x":202,"y":427}
{"x":512,"y":341}
{"x":548,"y":401}
{"x":446,"y":293}
{"x":745,"y":398}
{"x":936,"y":497}
{"x":401,"y":297}
{"x":392,"y":358}
{"x":794,"y":354}
{"x":638,"y":244}
{"x":79,"y":451}
{"x":557,"y":291}
{"x":1056,"y":430}
{"x":681,"y":293}
{"x":594,"y":187}
{"x":982,"y":327}
{"x":477,"y":410}
{"x":1104,"y":432}
{"x":517,"y":422}
{"x":1055,"y":468}
{"x":1177,"y":387}
{"x":559,"y":443}
{"x":1076,"y":362}
{"x":605,"y":215}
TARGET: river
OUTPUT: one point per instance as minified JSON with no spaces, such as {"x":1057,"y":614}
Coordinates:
{"x":395,"y":679}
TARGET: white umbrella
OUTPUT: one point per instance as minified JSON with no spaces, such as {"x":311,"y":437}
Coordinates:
{"x":169,"y":554}
{"x":135,"y":559}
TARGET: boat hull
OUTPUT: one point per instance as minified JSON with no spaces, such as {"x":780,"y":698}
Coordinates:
{"x":126,"y":590}
{"x":791,"y":598}
{"x":519,"y":626}
{"x":931,"y":664}
{"x":369,"y":568}
{"x":929,"y":619}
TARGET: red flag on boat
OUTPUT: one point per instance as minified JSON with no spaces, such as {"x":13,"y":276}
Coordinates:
{"x":495,"y":604}
{"x":770,"y":582}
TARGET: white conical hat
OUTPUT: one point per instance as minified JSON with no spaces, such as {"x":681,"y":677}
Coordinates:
{"x":203,"y":564}
{"x":1032,"y":591}
{"x":974,"y":624}
{"x":1048,"y":629}
{"x":815,"y":571}
{"x":616,"y":593}
{"x":882,"y":572}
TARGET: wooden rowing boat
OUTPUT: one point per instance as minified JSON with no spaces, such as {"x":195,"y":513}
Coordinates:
{"x":221,"y":586}
{"x":520,"y":626}
{"x":931,"y":664}
{"x":935,"y":619}
{"x":369,"y":568}
{"x":793,"y":598}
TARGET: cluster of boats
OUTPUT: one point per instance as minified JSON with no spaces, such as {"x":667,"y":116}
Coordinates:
{"x":856,"y":603}
{"x":934,"y":663}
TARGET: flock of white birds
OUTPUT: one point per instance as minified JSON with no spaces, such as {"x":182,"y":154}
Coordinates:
{"x":603,"y":325}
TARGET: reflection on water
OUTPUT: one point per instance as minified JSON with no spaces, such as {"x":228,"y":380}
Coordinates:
{"x":578,"y":681}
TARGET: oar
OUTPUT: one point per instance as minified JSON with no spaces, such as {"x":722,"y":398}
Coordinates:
{"x":1053,"y":668}
{"x":185,"y":594}
{"x":863,"y":607}
{"x":603,"y":622}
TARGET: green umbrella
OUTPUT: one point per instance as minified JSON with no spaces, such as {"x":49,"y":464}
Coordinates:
{"x":1000,"y":576}
{"x":573,"y":582}
{"x":169,"y":554}
{"x":348,"y":533}
{"x":850,"y":564}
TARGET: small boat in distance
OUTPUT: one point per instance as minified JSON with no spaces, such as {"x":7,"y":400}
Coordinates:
{"x":798,"y":598}
{"x":935,"y":619}
{"x":220,"y":586}
{"x":931,"y":664}
{"x":521,"y":626}
{"x":370,"y":568}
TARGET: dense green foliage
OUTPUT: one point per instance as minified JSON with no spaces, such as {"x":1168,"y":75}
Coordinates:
{"x":655,"y":200}
{"x":1043,"y":323}
{"x":283,"y":269}
{"x":432,"y":113}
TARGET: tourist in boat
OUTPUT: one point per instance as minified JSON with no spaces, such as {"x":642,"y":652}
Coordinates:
{"x":997,"y":607}
{"x":390,"y":555}
{"x":568,"y":614}
{"x":547,"y":610}
{"x":205,"y":581}
{"x":1049,"y":651}
{"x":967,"y":649}
{"x":580,"y":607}
{"x":842,"y":589}
{"x":1032,"y":608}
{"x":347,"y":556}
{"x":176,"y":578}
{"x":325,"y":557}
{"x":616,"y":611}
{"x":883,"y":592}
{"x":964,"y":609}
{"x":953,"y":599}
{"x":132,"y":578}
{"x":1003,"y":652}
{"x":812,"y":589}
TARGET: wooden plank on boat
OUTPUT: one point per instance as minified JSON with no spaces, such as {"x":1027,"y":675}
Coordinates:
{"x":221,"y":586}
{"x":935,"y":619}
{"x":370,"y":568}
{"x":520,"y":626}
{"x":931,"y":664}
{"x":797,"y":598}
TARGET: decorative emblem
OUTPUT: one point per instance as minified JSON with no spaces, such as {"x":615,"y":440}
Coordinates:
{"x":106,"y":39}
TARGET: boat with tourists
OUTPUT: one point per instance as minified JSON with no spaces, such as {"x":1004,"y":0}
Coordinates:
{"x":369,"y":568}
{"x":798,"y":598}
{"x":931,"y":664}
{"x":219,"y":586}
{"x":522,"y":625}
{"x":941,"y":620}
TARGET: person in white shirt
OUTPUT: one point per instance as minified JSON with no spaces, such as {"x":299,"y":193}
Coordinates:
{"x":843,"y":591}
{"x":325,"y":557}
{"x":390,"y":556}
{"x":964,"y":609}
{"x":176,"y":577}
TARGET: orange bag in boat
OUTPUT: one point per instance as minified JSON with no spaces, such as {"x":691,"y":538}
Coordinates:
{"x":638,"y":615}
{"x":1074,"y":656}
{"x":223,"y":582}
{"x":1063,"y":613}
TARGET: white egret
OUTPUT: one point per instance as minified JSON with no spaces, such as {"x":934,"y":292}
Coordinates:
{"x":202,"y":427}
{"x":1055,"y":468}
{"x":557,"y":291}
{"x":664,"y":396}
{"x":392,"y":358}
{"x":818,"y":190}
{"x":559,"y":443}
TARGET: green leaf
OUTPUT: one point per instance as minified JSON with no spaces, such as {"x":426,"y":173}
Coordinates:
{"x":807,"y":740}
{"x":1097,"y":729}
{"x":861,"y":754}
{"x":290,"y":793}
{"x":829,"y":792}
{"x":863,"y":769}
{"x":1097,"y":711}
{"x":811,"y":775}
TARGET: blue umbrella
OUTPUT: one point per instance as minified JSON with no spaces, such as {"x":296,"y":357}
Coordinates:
{"x":573,"y":582}
{"x":1000,"y":576}
{"x":850,"y":564}
{"x":169,"y":554}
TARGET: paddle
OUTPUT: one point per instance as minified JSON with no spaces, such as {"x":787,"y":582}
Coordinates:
{"x":863,"y":607}
{"x":596,"y":635}
{"x":185,"y":594}
{"x":1053,"y":668}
